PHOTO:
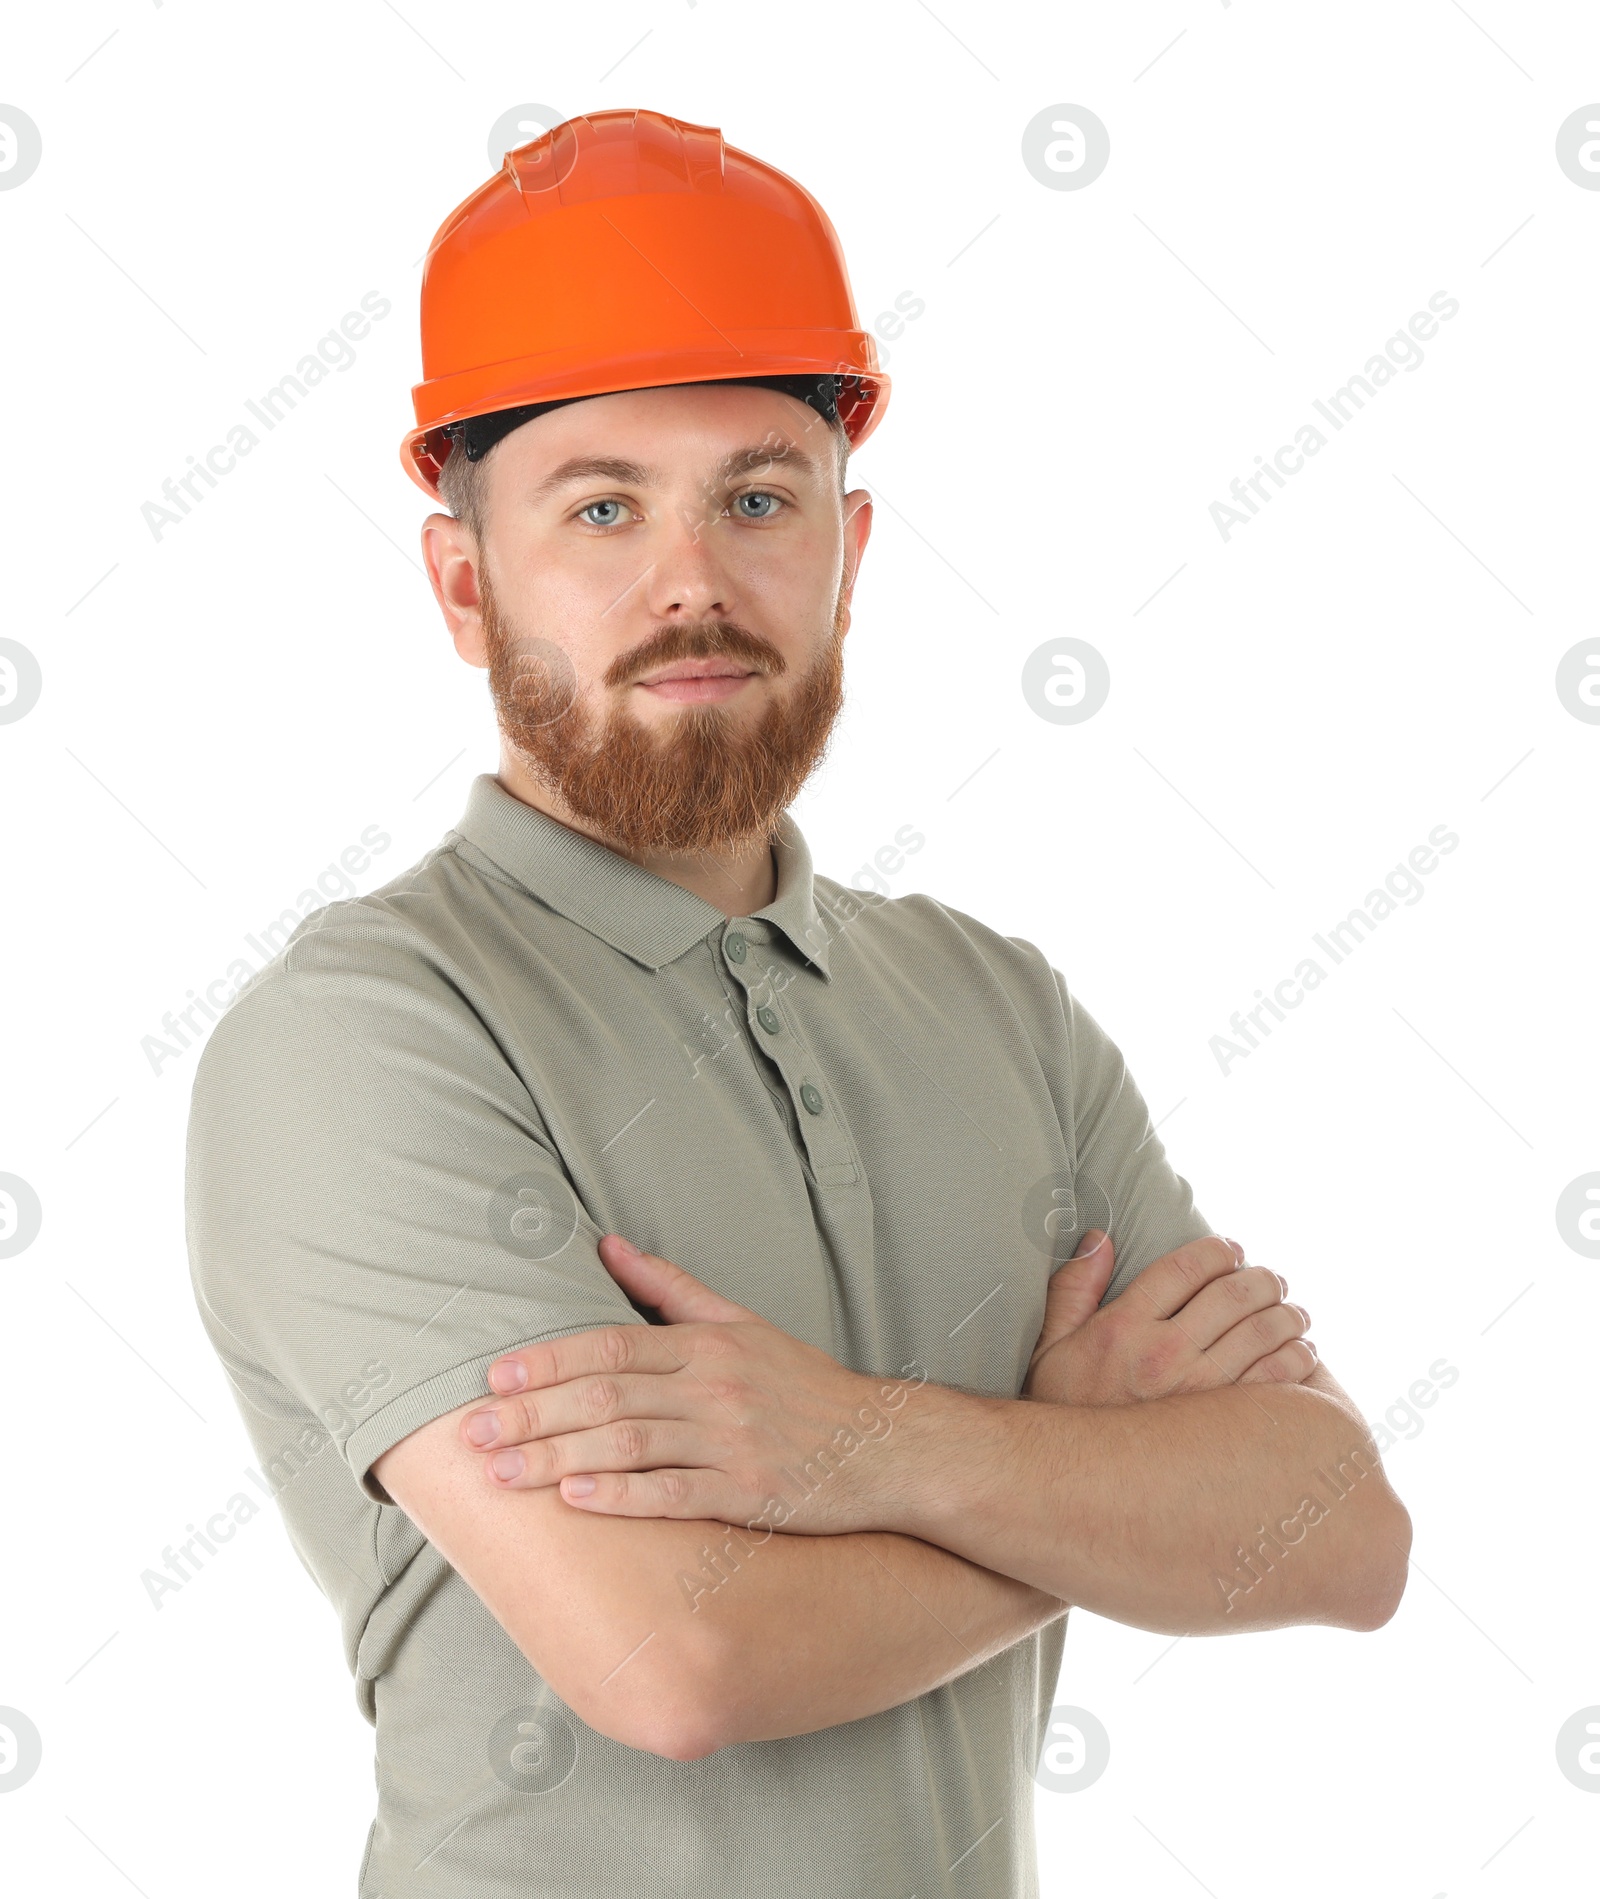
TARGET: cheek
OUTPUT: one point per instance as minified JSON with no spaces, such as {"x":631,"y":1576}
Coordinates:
{"x":572,"y":617}
{"x":794,"y":586}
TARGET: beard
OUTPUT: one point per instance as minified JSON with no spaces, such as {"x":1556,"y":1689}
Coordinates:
{"x":707,"y":781}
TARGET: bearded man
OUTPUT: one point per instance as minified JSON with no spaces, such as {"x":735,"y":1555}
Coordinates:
{"x":706,"y":1325}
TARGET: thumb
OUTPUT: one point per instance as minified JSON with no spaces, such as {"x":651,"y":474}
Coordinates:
{"x":1077,"y":1287}
{"x":678,"y":1296}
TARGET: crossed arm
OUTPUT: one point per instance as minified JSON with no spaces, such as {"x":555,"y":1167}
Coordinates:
{"x":1167,"y":1465}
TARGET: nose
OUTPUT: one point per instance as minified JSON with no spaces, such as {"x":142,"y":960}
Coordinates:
{"x":686,"y":580}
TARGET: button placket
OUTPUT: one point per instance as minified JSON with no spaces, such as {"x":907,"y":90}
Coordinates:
{"x":826,"y":1141}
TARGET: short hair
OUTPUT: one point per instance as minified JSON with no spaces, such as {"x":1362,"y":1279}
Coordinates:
{"x":464,"y":487}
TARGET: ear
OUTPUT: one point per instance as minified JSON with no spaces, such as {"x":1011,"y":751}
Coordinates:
{"x":451,"y":555}
{"x":857,"y":530}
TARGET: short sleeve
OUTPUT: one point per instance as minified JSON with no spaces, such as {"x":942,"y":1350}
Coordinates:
{"x":1123,"y":1181}
{"x":374,"y":1210}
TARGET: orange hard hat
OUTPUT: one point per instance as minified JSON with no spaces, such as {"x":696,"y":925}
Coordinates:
{"x":629,"y":250}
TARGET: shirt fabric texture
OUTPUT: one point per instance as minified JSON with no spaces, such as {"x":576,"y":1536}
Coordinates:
{"x":877,"y":1122}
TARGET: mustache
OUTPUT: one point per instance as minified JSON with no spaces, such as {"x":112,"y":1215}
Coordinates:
{"x":714,"y":639}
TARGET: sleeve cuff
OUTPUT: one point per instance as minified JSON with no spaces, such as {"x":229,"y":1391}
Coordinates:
{"x":423,"y":1403}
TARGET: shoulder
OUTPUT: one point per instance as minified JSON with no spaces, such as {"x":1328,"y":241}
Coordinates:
{"x":386,"y":964}
{"x":919,"y":946}
{"x":920,"y":931}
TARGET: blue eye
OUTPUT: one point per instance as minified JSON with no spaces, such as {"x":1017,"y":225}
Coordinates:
{"x":761,"y":495}
{"x":600,"y":504}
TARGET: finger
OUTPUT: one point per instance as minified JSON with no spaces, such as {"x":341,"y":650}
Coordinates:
{"x":1167,"y":1284}
{"x":1291,"y":1364}
{"x":654,"y":1493}
{"x":581,"y":1404}
{"x":678,"y":1296}
{"x":1076,"y":1288}
{"x":608,"y":1348}
{"x":1254,"y":1338}
{"x":1223,"y":1302}
{"x":635,"y":1444}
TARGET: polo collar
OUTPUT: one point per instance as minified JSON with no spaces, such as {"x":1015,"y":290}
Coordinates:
{"x":635,"y":911}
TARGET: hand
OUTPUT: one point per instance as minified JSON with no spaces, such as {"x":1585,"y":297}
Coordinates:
{"x":716,"y":1414}
{"x":1193,"y":1320}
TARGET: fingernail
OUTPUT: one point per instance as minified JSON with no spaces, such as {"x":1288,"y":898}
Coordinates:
{"x":509,"y":1375}
{"x":483,"y":1427}
{"x":1091,"y":1239}
{"x":1238,"y":1250}
{"x":579,"y":1486}
{"x":626,"y":1246}
{"x":507,"y":1463}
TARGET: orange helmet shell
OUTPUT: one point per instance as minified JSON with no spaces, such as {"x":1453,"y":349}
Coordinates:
{"x":624,"y":250}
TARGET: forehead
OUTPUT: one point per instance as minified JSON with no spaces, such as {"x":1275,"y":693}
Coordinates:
{"x":665,"y":437}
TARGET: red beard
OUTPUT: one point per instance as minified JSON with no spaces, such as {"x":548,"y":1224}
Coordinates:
{"x":705,"y":782}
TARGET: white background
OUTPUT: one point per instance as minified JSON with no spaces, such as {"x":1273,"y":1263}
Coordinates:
{"x":1292,"y":710}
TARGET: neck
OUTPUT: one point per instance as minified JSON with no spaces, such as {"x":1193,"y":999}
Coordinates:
{"x":738,"y":882}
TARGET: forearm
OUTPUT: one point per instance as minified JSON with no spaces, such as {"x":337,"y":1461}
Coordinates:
{"x":811,"y":1631}
{"x":1242,"y":1507}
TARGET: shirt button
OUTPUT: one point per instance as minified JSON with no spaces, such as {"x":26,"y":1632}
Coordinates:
{"x":768,"y":1018}
{"x":735,"y":945}
{"x":810,"y":1096}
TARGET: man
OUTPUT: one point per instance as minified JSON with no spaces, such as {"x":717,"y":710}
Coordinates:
{"x":738,"y":1564}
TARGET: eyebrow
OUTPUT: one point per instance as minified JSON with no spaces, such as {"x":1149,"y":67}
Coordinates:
{"x":636,"y":475}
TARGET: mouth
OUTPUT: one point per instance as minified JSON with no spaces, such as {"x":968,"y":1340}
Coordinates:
{"x":698,"y":681}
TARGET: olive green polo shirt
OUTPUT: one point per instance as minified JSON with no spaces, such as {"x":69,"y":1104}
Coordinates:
{"x":879,"y":1123}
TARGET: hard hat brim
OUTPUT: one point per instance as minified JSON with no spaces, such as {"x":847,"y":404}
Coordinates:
{"x":509,"y":385}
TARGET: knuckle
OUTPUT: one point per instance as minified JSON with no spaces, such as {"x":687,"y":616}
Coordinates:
{"x":674,"y":1486}
{"x":616,"y":1348}
{"x":628,"y":1439}
{"x":1264,"y":1327}
{"x":1200,"y":1261}
{"x":1155,"y":1360}
{"x":746,"y":1478}
{"x":1239,"y":1291}
{"x":601,"y":1398}
{"x":519,"y":1420}
{"x":1290,"y":1364}
{"x":1262,"y":1284}
{"x":1191,"y":1264}
{"x":1214,"y":1256}
{"x":1274,"y":1369}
